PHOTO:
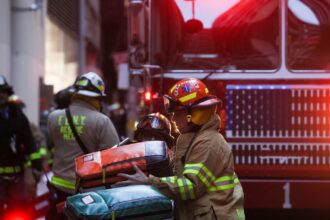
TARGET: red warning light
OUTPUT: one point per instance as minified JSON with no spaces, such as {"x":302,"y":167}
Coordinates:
{"x":17,"y":215}
{"x":147,"y":96}
{"x":155,"y":96}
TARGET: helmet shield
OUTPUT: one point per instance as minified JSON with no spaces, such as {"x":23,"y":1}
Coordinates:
{"x":156,"y":125}
{"x":153,"y":123}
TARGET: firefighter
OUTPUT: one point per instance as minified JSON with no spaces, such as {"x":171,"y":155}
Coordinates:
{"x":205,"y":185}
{"x":95,"y":130}
{"x":41,"y":145}
{"x":154,"y":126}
{"x":62,"y":100}
{"x":20,"y":163}
{"x":38,"y":136}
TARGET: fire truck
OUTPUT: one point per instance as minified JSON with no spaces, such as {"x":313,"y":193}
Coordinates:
{"x":269,"y":62}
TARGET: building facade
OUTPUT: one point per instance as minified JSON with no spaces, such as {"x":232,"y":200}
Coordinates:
{"x":48,"y":40}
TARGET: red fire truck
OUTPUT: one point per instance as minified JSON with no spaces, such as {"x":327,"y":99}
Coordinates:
{"x":269,"y":62}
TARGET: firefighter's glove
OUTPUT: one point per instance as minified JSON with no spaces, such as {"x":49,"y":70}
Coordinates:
{"x":30,"y":183}
{"x":139,"y":178}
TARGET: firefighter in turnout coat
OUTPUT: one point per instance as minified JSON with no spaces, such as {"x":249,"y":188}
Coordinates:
{"x":95,"y":130}
{"x":204,"y":185}
{"x":20,"y":163}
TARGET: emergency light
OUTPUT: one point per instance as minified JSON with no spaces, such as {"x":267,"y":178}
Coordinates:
{"x":17,"y":215}
{"x":147,"y":96}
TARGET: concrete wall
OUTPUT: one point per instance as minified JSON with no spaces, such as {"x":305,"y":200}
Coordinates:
{"x":5,"y":39}
{"x":27,"y":53}
{"x":93,"y":21}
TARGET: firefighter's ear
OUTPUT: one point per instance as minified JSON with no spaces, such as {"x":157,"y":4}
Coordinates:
{"x":188,"y":118}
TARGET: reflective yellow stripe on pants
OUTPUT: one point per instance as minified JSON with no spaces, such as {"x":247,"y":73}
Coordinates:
{"x":57,"y":181}
{"x":10,"y":169}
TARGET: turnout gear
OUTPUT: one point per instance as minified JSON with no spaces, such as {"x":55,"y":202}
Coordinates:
{"x":205,"y":185}
{"x":18,"y":152}
{"x":40,"y":140}
{"x":91,"y":85}
{"x":38,"y":136}
{"x":154,"y":125}
{"x":18,"y":147}
{"x":95,"y":130}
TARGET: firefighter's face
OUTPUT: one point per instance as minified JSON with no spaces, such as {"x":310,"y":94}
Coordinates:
{"x":180,"y":118}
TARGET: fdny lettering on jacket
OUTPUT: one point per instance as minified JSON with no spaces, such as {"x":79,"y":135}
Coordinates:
{"x":79,"y":123}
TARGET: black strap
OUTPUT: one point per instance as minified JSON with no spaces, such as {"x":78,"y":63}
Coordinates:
{"x":74,"y":131}
{"x":214,"y":214}
{"x":183,"y":159}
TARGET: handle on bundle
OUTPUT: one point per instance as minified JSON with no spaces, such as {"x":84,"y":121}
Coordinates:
{"x":122,"y":142}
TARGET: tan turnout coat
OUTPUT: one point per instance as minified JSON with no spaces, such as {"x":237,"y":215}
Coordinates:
{"x":96,"y":131}
{"x":205,"y":185}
